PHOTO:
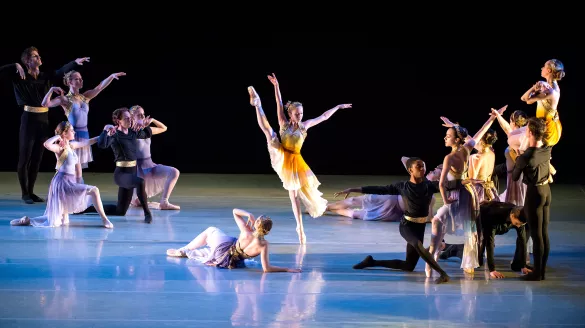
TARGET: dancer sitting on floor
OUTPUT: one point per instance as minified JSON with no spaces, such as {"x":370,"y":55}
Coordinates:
{"x":66,"y":196}
{"x":417,"y":194}
{"x":372,"y":207}
{"x":230,"y":252}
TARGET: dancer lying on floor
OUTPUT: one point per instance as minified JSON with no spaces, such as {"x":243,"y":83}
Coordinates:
{"x":229,"y":252}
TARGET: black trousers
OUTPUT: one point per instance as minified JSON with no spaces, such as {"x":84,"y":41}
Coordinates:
{"x":537,"y":209}
{"x":414,"y":234}
{"x":127,"y":179}
{"x":33,"y":133}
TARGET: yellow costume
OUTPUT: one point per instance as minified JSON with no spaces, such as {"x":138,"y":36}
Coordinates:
{"x":290,"y":166}
{"x":550,"y":115}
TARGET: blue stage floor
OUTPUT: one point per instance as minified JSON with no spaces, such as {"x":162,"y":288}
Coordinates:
{"x":87,"y":276}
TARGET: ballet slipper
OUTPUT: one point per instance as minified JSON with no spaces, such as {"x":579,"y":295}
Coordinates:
{"x":165,"y":205}
{"x":25,"y":220}
{"x":254,"y":98}
{"x":135,"y":203}
{"x":176,"y":253}
{"x":108,"y":224}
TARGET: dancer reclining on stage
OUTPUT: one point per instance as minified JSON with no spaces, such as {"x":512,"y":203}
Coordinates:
{"x":497,"y":218}
{"x":417,"y":194}
{"x":229,"y":252}
{"x":371,"y":207}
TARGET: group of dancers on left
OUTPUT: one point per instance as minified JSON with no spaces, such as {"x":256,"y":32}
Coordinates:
{"x":471,"y":204}
{"x":136,"y":175}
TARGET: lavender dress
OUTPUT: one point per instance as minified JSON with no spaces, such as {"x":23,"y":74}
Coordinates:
{"x":154,"y":184}
{"x":77,"y":115}
{"x":65,"y":194}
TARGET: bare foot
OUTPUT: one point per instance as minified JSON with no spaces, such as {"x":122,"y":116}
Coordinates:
{"x":165,"y":205}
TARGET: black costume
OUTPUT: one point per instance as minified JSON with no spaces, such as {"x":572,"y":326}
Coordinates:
{"x":34,"y":123}
{"x":417,"y":199}
{"x":125,"y":175}
{"x":495,"y":220}
{"x":534,"y":165}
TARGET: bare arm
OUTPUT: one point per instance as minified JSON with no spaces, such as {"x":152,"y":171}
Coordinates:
{"x":526,"y":94}
{"x":550,"y":94}
{"x":443,"y":179}
{"x":239,"y":218}
{"x":270,"y":268}
{"x":279,"y":106}
{"x":160,"y":127}
{"x":84,"y":143}
{"x":89,"y":94}
{"x":51,"y":145}
{"x":57,"y":101}
{"x":503,"y":123}
{"x":325,"y":116}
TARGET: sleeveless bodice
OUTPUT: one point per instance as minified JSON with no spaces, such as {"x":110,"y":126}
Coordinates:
{"x":78,"y":110}
{"x":545,"y":110}
{"x":292,"y":137}
{"x":143,"y":148}
{"x":69,"y":161}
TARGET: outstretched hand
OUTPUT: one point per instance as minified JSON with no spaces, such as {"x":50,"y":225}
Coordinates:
{"x":342,"y":106}
{"x":345,"y":192}
{"x":494,"y":113}
{"x":447,"y":123}
{"x":273,"y":79}
{"x":117,"y":75}
{"x":82,"y":60}
{"x":294,"y":270}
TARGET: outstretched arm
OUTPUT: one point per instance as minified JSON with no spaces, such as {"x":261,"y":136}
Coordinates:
{"x":84,"y":143}
{"x":503,"y":123}
{"x":279,"y":107}
{"x":15,"y":67}
{"x":90,"y":94}
{"x":69,"y":67}
{"x":270,"y":268}
{"x":106,"y":138}
{"x":477,"y":137}
{"x":325,"y":116}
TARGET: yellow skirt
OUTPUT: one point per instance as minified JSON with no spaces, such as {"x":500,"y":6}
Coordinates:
{"x":295,"y":174}
{"x":553,"y":132}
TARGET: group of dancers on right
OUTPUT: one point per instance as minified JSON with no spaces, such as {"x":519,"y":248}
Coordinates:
{"x":466,"y":182}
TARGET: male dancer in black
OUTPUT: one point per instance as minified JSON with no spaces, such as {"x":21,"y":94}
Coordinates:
{"x":497,"y":218}
{"x":30,"y":87}
{"x":122,"y":139}
{"x":534,"y":165}
{"x":416,"y":194}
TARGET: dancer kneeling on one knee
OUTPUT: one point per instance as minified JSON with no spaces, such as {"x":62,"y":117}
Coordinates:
{"x":65,"y":194}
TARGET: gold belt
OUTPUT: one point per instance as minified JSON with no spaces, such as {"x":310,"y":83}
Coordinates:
{"x":35,"y":109}
{"x":126,"y":163}
{"x":416,"y":220}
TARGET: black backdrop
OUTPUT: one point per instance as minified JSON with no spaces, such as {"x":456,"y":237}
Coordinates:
{"x":397,"y":95}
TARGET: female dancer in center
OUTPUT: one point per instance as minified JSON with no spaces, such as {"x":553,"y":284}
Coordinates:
{"x":285,"y":155}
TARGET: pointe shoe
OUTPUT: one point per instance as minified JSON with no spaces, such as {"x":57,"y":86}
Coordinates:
{"x":176,"y":253}
{"x":165,"y":205}
{"x":254,"y":98}
{"x":25,"y":220}
{"x":135,"y":203}
{"x":108,"y":224}
{"x":428,"y":271}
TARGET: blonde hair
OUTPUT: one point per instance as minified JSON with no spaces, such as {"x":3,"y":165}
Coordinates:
{"x":67,"y":77}
{"x":292,"y":105}
{"x":62,"y":127}
{"x":134,"y":108}
{"x":265,"y":226}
